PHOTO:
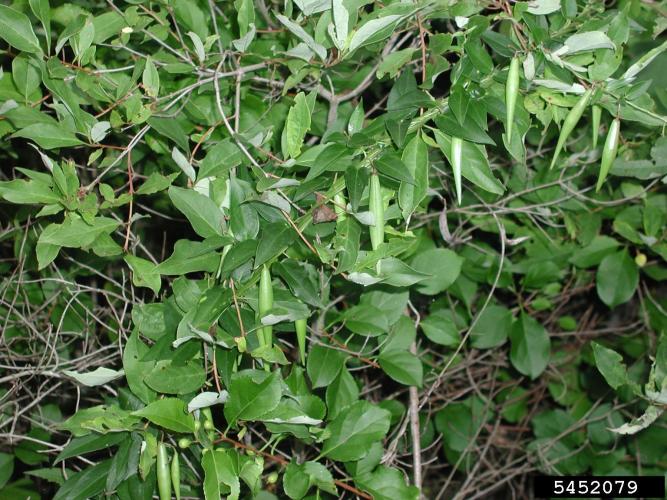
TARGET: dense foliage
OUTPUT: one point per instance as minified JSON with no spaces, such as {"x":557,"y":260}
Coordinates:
{"x":330,"y":248}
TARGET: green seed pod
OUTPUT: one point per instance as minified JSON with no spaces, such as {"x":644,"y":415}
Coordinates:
{"x":376,"y":206}
{"x":208,"y":425}
{"x":511,"y":94}
{"x":197,"y":426}
{"x":265,"y":303}
{"x":455,"y":156}
{"x":609,"y":152}
{"x":570,"y":122}
{"x":596,"y":114}
{"x":184,"y":443}
{"x":272,"y":478}
{"x":241,"y":344}
{"x":339,"y":206}
{"x":163,"y":474}
{"x":640,"y":259}
{"x":300,"y":325}
{"x":176,"y":476}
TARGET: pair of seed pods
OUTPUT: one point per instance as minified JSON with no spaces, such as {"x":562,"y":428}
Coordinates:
{"x":265,"y":333}
{"x":511,"y":94}
{"x":168,"y":474}
{"x":610,"y":149}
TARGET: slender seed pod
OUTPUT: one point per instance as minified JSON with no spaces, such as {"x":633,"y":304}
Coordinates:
{"x":455,"y":156}
{"x":376,"y":207}
{"x":300,"y":325}
{"x":339,"y":207}
{"x":163,"y":474}
{"x":208,"y":415}
{"x":511,"y":94}
{"x":265,"y":303}
{"x":609,"y":152}
{"x":570,"y":122}
{"x":595,"y":118}
{"x":176,"y":476}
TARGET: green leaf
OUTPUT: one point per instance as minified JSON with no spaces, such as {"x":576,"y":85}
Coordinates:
{"x":475,"y":164}
{"x":85,"y":484}
{"x":193,"y":256}
{"x":543,"y":7}
{"x":155,"y":183}
{"x":386,"y":483}
{"x":16,"y":30}
{"x":443,"y":265}
{"x":341,"y":393}
{"x":593,"y":253}
{"x":611,"y":365}
{"x":296,"y":126}
{"x":20,"y":191}
{"x":393,"y":62}
{"x":206,"y":218}
{"x":301,"y":278}
{"x":440,"y":328}
{"x":589,"y":40}
{"x":144,"y":273}
{"x":251,"y":395}
{"x":354,"y":430}
{"x":219,"y":469}
{"x":80,"y":446}
{"x":98,"y":376}
{"x":300,"y":33}
{"x":366,"y":319}
{"x":415,"y":158}
{"x":395,"y":272}
{"x":48,"y":136}
{"x":324,"y":365}
{"x":369,"y":31}
{"x":617,"y":278}
{"x":6,"y":468}
{"x":183,"y":163}
{"x":173,"y":130}
{"x":74,"y":232}
{"x":136,"y":367}
{"x":346,"y":242}
{"x":392,"y":166}
{"x":169,"y":377}
{"x":238,"y":255}
{"x":356,"y":180}
{"x":244,"y":221}
{"x":341,"y":18}
{"x":492,"y":328}
{"x":644,"y":61}
{"x":102,"y":419}
{"x":125,"y":462}
{"x":150,"y":78}
{"x":276,"y":237}
{"x":299,"y":478}
{"x":42,"y":11}
{"x":459,"y":422}
{"x":170,"y":413}
{"x":402,"y":366}
{"x":531,"y":346}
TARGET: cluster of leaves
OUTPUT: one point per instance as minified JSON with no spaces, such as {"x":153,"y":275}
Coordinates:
{"x":187,"y":180}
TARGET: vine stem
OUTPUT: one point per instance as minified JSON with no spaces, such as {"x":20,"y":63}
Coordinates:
{"x":414,"y":430}
{"x":130,"y":177}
